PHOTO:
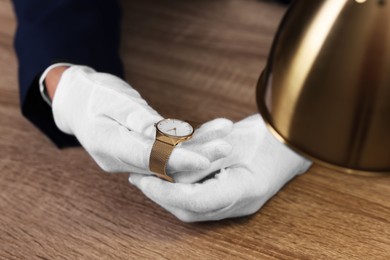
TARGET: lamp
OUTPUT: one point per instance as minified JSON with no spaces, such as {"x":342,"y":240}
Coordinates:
{"x":325,"y":90}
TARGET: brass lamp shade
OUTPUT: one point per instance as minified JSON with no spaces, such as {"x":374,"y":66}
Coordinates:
{"x":325,"y":91}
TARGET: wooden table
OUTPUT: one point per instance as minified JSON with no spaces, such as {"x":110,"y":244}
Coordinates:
{"x":204,"y":56}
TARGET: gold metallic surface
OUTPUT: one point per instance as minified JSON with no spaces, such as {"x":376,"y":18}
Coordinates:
{"x":161,"y":150}
{"x":326,"y":88}
{"x":159,"y":158}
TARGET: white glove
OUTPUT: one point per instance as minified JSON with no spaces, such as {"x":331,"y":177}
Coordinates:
{"x":116,"y":126}
{"x":257,"y":168}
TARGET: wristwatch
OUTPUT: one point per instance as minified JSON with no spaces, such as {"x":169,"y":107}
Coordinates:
{"x":169,"y":133}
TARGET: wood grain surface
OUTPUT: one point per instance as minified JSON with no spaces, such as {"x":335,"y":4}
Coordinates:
{"x":190,"y":59}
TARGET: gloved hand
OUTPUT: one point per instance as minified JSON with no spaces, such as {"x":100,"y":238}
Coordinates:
{"x":116,"y":126}
{"x":257,"y":168}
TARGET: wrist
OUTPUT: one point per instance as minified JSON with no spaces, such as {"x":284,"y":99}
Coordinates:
{"x":52,"y":79}
{"x":49,"y":80}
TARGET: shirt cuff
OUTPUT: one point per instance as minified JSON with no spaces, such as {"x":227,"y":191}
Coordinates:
{"x":42,"y":87}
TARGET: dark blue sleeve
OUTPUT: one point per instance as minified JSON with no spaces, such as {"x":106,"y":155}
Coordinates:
{"x":85,"y":32}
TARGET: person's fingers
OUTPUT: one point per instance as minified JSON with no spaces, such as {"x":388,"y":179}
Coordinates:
{"x":184,"y":160}
{"x":192,"y":202}
{"x":134,"y":116}
{"x":132,"y":149}
{"x":206,"y":143}
{"x":190,"y":216}
{"x":212,"y":200}
{"x":197,"y":157}
{"x":217,"y":152}
{"x":117,"y":149}
{"x":234,"y":210}
{"x":122,"y":103}
{"x":195,"y":176}
{"x":214,"y":150}
{"x":214,"y":129}
{"x":214,"y":194}
{"x":175,"y":195}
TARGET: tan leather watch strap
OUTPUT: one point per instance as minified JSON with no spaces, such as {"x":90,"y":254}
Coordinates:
{"x":159,"y":158}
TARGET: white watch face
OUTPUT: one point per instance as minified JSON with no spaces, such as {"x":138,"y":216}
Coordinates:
{"x":175,"y":127}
